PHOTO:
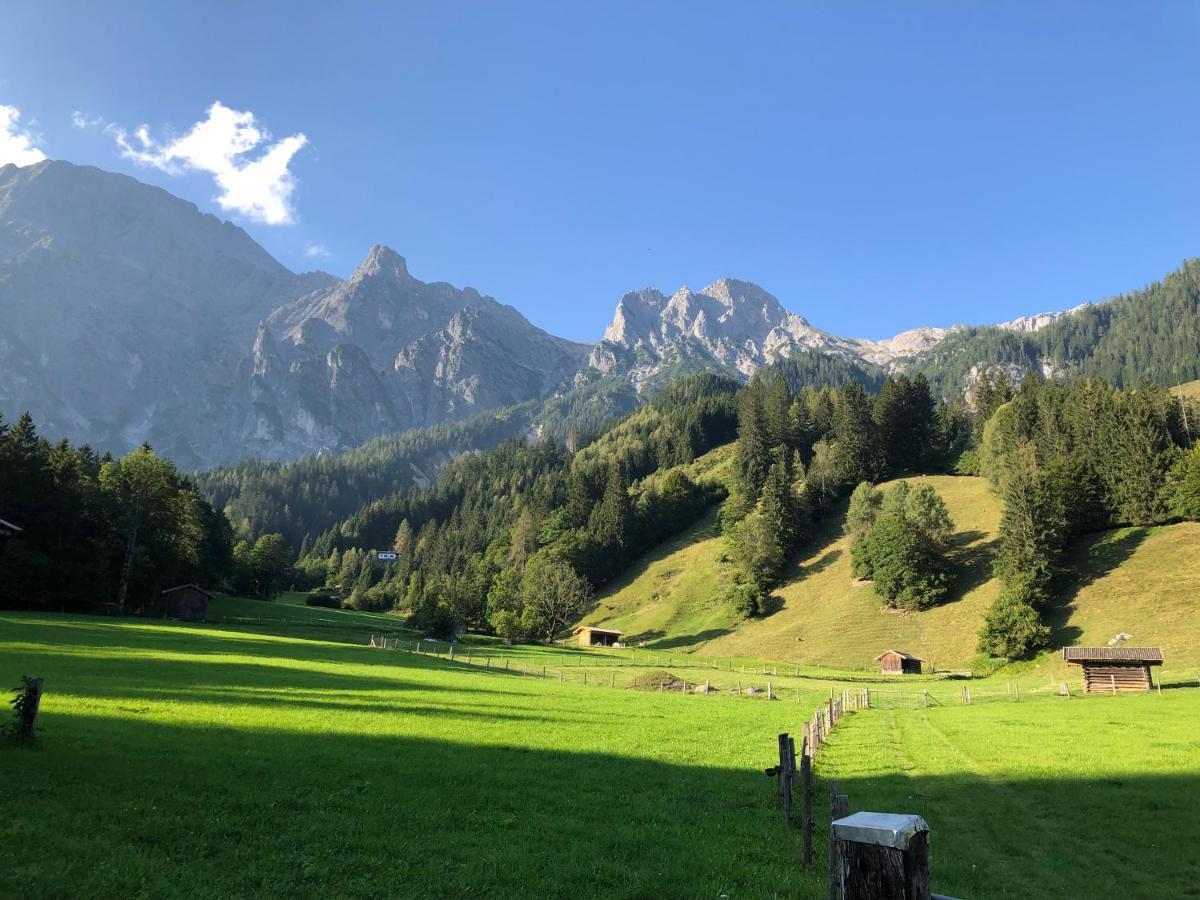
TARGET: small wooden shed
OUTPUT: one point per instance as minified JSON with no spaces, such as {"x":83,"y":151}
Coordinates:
{"x":591,"y":636}
{"x":1111,"y":669}
{"x":187,"y":601}
{"x":893,"y":662}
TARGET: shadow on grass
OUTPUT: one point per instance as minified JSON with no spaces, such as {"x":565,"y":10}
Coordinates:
{"x":1090,"y":558}
{"x":270,"y":813}
{"x":279,"y":813}
{"x":1003,"y":836}
{"x":827,"y":559}
{"x":683,"y":640}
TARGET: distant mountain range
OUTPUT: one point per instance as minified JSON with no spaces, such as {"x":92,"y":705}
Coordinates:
{"x":127,"y":315}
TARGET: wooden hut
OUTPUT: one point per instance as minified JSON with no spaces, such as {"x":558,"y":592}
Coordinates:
{"x":187,"y":601}
{"x":893,"y":662}
{"x":1111,"y":669}
{"x":591,"y":636}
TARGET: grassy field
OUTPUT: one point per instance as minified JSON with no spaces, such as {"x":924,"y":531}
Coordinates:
{"x":182,"y":760}
{"x":247,"y":758}
{"x":1084,"y":798}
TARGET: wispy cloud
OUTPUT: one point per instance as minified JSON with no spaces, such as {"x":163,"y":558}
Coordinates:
{"x":17,"y":145}
{"x":250,"y":169}
{"x":316,"y":251}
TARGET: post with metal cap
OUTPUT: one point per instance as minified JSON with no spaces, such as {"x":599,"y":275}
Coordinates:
{"x":882,"y":856}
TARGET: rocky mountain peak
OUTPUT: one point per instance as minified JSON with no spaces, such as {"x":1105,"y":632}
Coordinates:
{"x":382,"y":261}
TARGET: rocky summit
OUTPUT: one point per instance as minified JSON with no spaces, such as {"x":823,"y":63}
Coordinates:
{"x":127,"y":315}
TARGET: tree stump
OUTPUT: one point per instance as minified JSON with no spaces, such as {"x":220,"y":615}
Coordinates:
{"x":882,"y":856}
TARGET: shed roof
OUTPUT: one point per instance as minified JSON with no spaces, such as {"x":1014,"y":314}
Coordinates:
{"x":898,"y":653}
{"x":184,"y":587}
{"x":1113,"y":654}
{"x":596,"y":628}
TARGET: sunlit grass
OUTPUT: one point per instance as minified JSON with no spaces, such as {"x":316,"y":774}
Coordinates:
{"x":200,"y":760}
{"x":1082,"y":798}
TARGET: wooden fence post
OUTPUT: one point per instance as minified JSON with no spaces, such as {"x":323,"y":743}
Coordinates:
{"x":27,"y":707}
{"x":770,"y":694}
{"x":839,"y":808}
{"x":806,"y":800}
{"x":881,"y":856}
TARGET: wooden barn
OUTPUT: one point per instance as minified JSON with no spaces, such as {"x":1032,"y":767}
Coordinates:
{"x":188,"y":602}
{"x":591,"y":636}
{"x":893,"y":662}
{"x":1108,"y":670}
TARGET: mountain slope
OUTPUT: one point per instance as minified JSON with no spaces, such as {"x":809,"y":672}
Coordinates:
{"x":122,"y":307}
{"x":127,"y":315}
{"x":382,"y":352}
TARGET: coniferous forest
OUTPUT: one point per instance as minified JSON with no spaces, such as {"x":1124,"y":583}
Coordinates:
{"x":514,"y":540}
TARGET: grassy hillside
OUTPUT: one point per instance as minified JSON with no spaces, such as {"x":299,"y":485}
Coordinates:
{"x":1191,"y":389}
{"x":1145,"y":582}
{"x":1141,"y":581}
{"x":671,"y":599}
{"x":828,"y":618}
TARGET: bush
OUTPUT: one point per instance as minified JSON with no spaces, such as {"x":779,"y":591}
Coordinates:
{"x":508,"y":625}
{"x":967,"y":463}
{"x":907,"y":569}
{"x":1012,"y":628}
{"x":747,"y":597}
{"x":326,"y":597}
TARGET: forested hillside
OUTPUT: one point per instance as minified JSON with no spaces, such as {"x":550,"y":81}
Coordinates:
{"x":1147,"y":335}
{"x":311,"y":494}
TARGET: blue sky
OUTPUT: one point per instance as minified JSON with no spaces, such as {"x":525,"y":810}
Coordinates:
{"x":874,"y":165}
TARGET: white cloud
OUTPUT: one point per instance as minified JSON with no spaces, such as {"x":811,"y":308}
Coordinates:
{"x":251,"y":171}
{"x":316,"y":251}
{"x":17,"y":146}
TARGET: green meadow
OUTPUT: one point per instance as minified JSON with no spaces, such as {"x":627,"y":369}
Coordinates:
{"x":1051,"y":798}
{"x":271,"y":752}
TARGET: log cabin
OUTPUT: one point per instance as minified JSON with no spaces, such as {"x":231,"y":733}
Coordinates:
{"x":1111,"y":669}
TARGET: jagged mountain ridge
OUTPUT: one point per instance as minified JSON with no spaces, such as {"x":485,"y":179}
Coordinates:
{"x":127,"y":315}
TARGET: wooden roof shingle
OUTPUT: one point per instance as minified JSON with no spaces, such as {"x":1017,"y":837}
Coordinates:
{"x":1113,"y":654}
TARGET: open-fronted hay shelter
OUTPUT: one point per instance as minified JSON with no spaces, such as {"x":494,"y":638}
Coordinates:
{"x":591,"y":636}
{"x":1111,"y":669}
{"x":188,"y":602}
{"x":893,"y":662}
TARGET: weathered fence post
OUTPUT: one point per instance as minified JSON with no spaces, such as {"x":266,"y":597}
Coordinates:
{"x":882,"y":856}
{"x":806,"y":800}
{"x":770,"y":693}
{"x":785,"y":789}
{"x":27,"y":707}
{"x":839,"y":808}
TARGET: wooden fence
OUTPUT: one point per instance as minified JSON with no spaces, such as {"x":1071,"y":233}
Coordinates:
{"x":587,"y":670}
{"x":816,"y":733}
